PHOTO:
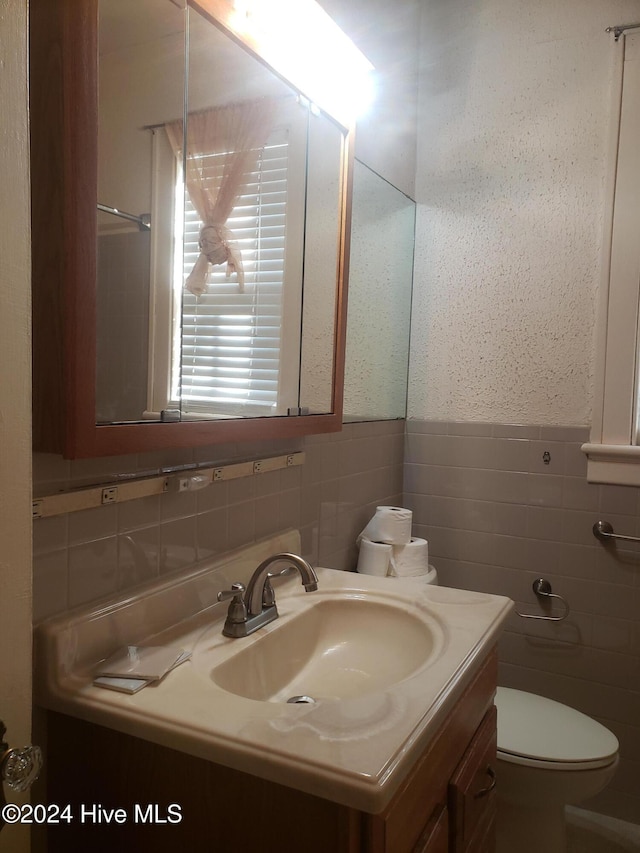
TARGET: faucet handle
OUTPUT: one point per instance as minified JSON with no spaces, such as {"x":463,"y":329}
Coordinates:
{"x":237,"y":590}
{"x":268,"y":593}
{"x":288,"y":570}
{"x":237,"y":609}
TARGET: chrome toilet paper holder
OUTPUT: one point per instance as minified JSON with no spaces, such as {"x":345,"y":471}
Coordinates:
{"x":543,"y":589}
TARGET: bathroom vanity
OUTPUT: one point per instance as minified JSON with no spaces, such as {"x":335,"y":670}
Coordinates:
{"x":396,"y":754}
{"x":446,"y":802}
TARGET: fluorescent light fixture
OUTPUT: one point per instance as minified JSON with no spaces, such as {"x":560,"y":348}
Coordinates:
{"x":305,"y":45}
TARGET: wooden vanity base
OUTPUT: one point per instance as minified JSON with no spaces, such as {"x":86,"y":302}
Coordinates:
{"x":446,"y":803}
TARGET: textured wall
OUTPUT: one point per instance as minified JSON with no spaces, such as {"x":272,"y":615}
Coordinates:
{"x":514,"y":105}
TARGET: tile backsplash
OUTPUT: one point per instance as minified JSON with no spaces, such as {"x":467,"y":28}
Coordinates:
{"x":86,"y":555}
{"x":502,"y":505}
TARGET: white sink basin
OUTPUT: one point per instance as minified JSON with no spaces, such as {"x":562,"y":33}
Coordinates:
{"x":337,"y":648}
{"x":384,"y":657}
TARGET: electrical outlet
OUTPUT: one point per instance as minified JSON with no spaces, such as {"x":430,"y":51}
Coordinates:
{"x":290,"y":461}
{"x":218,"y":474}
{"x":110,"y":495}
{"x":257,"y":467}
{"x":36,"y":509}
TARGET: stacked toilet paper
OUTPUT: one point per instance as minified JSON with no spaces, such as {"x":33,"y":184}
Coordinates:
{"x":387,"y":547}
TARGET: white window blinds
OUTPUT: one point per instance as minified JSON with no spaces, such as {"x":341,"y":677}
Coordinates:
{"x":229,"y":360}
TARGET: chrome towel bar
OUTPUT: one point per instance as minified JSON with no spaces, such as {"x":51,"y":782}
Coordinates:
{"x":603,"y":531}
{"x":143,"y":221}
{"x":542,"y":589}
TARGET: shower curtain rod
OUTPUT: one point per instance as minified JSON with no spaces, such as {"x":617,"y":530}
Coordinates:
{"x":143,"y":221}
{"x":621,"y":29}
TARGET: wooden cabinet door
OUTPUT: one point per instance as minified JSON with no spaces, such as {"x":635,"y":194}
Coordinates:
{"x":421,"y":801}
{"x":472,"y":795}
{"x":435,"y":838}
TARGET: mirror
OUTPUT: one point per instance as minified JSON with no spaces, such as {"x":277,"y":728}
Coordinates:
{"x":380,"y":286}
{"x":128,"y":355}
{"x":141,"y":62}
{"x":218,"y":238}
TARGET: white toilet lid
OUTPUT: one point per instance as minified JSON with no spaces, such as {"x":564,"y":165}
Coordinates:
{"x":537,"y":728}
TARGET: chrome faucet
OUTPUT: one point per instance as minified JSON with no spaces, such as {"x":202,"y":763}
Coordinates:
{"x":255,"y":606}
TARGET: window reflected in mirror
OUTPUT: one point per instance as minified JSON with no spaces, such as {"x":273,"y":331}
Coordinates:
{"x":218,"y":236}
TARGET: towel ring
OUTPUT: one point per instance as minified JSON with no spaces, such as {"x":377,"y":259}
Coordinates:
{"x":542,"y":589}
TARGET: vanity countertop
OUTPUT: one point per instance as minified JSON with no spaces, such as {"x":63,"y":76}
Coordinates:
{"x":355,"y":751}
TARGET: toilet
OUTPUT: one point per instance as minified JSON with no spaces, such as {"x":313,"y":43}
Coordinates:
{"x":549,"y":756}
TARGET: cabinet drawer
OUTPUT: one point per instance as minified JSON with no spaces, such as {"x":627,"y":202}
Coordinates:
{"x":472,"y":795}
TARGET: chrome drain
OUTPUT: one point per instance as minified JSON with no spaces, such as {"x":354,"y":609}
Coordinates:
{"x":301,"y":700}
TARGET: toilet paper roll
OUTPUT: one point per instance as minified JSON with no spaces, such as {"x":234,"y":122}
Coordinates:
{"x":374,"y":558}
{"x":410,"y":560}
{"x":390,"y":524}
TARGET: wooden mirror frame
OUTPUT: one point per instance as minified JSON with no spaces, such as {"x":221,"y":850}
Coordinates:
{"x":64,"y":166}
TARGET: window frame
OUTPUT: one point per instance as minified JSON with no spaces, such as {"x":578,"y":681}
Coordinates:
{"x":613,"y":451}
{"x":165,"y":339}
